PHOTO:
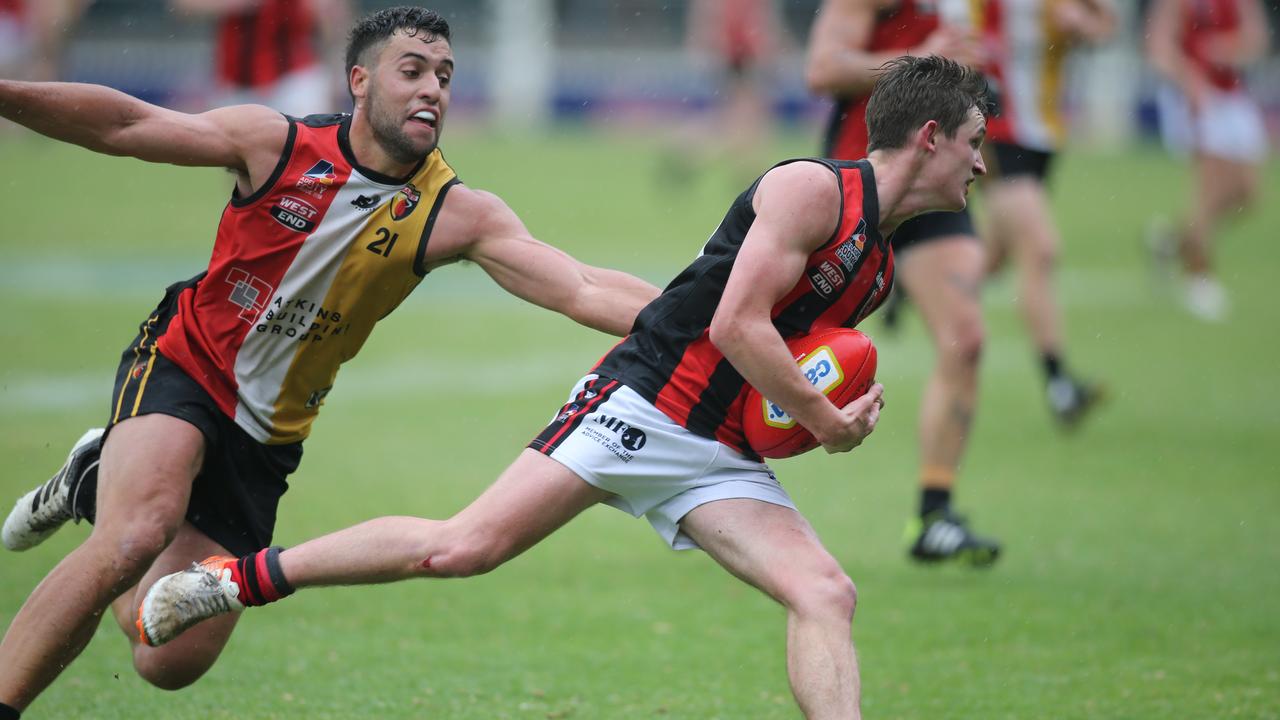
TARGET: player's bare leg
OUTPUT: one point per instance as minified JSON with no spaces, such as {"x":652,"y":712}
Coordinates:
{"x":185,"y":660}
{"x":774,"y":549}
{"x":1020,"y":215}
{"x":531,"y":499}
{"x":1223,"y":189}
{"x":148,"y":465}
{"x":943,"y":276}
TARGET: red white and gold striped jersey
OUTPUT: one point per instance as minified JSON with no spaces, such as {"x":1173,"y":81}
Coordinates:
{"x":301,"y":271}
{"x":1027,"y":55}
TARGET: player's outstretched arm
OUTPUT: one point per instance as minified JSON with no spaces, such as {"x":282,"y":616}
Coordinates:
{"x":606,"y":300}
{"x":111,"y":122}
{"x":797,"y":211}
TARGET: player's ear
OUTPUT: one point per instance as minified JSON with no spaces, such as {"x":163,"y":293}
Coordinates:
{"x":358,"y":80}
{"x":927,"y":136}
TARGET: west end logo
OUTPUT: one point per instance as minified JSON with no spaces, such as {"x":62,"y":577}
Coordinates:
{"x":822,"y":371}
{"x":404,"y":202}
{"x":295,"y":214}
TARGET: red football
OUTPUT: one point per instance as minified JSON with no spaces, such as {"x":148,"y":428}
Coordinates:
{"x":840,"y":362}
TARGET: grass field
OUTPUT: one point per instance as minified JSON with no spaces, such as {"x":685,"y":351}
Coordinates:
{"x":1143,"y":552}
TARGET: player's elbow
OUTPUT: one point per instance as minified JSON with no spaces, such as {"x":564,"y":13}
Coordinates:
{"x":726,"y":332}
{"x":819,"y":78}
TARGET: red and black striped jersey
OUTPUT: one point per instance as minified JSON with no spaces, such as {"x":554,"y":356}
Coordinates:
{"x":255,"y":48}
{"x":899,"y":28}
{"x":669,"y":358}
{"x":1205,"y":22}
{"x":301,"y":272}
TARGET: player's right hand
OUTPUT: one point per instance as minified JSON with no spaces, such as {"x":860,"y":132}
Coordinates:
{"x":860,"y":418}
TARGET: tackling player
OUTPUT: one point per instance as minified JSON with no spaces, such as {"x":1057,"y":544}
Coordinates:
{"x":333,"y":221}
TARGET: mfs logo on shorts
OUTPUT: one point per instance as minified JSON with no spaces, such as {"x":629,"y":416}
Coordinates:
{"x":632,"y":438}
{"x":822,"y":371}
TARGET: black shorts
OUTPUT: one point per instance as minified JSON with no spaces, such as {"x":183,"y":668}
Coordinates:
{"x":931,"y":226}
{"x":235,"y":495}
{"x":1008,"y":160}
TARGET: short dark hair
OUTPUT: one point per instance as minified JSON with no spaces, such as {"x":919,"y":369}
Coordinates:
{"x":375,"y":28}
{"x":914,"y":90}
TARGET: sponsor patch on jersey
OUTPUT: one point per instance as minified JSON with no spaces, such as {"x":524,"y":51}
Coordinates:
{"x":295,"y":214}
{"x":249,"y":292}
{"x":850,"y":250}
{"x":321,"y":172}
{"x":366,"y":202}
{"x":317,"y":180}
{"x":404,"y":202}
{"x":820,"y":282}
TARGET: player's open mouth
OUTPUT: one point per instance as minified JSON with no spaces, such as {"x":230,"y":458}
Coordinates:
{"x":424,"y":117}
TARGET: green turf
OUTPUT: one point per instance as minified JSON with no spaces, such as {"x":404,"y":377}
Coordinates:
{"x":1143,"y":552}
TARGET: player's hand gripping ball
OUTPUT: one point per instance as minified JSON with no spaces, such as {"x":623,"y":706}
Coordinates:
{"x":840,"y":362}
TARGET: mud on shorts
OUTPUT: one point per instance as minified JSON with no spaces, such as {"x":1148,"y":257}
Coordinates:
{"x":619,"y":442}
{"x":236,"y":493}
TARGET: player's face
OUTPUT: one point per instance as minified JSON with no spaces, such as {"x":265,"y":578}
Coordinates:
{"x":959,"y":161}
{"x":408,"y":94}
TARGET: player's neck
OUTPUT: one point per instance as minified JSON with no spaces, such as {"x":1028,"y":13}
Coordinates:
{"x":372,"y":155}
{"x":895,"y":172}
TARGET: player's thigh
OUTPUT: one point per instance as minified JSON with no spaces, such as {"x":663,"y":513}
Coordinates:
{"x":771,"y":547}
{"x":944,"y":278}
{"x":1020,"y":205}
{"x":531,"y":499}
{"x":144,"y":478}
{"x":1224,"y":184}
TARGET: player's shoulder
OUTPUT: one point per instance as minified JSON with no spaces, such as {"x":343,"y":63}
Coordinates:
{"x":815,"y":178}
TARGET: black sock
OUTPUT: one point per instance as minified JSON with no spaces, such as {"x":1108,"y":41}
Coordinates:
{"x":1052,"y":365}
{"x":8,"y":712}
{"x":934,"y":499}
{"x":260,"y":578}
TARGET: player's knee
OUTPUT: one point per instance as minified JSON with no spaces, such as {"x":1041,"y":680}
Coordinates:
{"x":169,"y":671}
{"x":131,"y":550}
{"x":829,"y":594}
{"x":961,"y":348}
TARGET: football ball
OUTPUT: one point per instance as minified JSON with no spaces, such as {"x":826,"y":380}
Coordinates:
{"x":840,"y":362}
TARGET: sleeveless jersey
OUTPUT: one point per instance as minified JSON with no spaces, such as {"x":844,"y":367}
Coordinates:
{"x":257,"y":47}
{"x":1025,"y":69}
{"x":1201,"y":20}
{"x":669,"y":358}
{"x":301,"y":271}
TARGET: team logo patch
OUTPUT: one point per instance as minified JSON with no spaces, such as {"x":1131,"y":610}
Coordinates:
{"x":295,"y":214}
{"x":137,"y":372}
{"x":404,"y":202}
{"x":820,"y":282}
{"x":822,"y":370}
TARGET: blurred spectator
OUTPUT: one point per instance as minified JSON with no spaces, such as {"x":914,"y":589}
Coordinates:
{"x":285,"y":54}
{"x":1201,"y":48}
{"x":740,"y":41}
{"x":1027,"y":42}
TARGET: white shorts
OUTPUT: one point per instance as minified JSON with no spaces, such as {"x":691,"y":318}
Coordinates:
{"x":619,"y":442}
{"x":298,"y":94}
{"x":1229,"y":126}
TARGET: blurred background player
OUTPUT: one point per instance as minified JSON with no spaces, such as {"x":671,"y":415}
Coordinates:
{"x":284,"y":54}
{"x":738,"y":43}
{"x":34,"y":36}
{"x":1201,"y":48}
{"x":1027,"y":43}
{"x":940,"y":259}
